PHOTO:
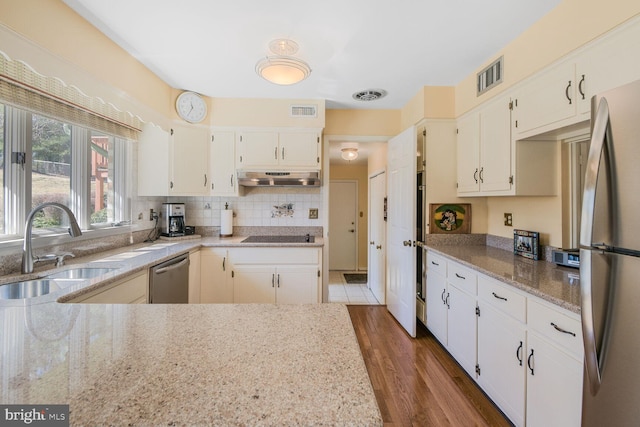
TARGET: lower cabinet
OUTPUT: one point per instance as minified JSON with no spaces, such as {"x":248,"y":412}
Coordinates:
{"x":261,"y":275}
{"x":524,"y":352}
{"x":216,"y":284}
{"x":194,"y":277}
{"x":130,"y":290}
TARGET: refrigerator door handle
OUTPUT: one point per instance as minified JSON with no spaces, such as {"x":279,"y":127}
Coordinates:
{"x":600,"y":134}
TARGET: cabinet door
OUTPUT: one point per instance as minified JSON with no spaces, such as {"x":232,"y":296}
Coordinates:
{"x":258,"y":149}
{"x":131,"y":290}
{"x":502,"y":359}
{"x":154,"y":164}
{"x":461,"y":329}
{"x":194,"y":277}
{"x":297,"y":284}
{"x":222,"y":164}
{"x":254,"y":284}
{"x":468,"y":154}
{"x":495,"y":146}
{"x":548,"y":98}
{"x":436,"y":306}
{"x":300,"y":149}
{"x":215,"y":283}
{"x":554,"y":385}
{"x":190,"y":156}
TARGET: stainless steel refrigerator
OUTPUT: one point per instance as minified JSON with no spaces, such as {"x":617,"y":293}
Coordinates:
{"x":610,"y":261}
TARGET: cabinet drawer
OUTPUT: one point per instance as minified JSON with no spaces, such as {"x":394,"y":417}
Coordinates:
{"x":558,"y":327}
{"x":501,"y":297}
{"x":274,"y":256}
{"x":462,"y":277}
{"x":436,"y":264}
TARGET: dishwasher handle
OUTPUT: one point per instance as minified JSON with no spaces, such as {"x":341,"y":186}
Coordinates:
{"x":170,"y":267}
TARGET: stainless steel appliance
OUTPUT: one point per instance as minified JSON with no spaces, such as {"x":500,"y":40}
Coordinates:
{"x":279,"y":178}
{"x":172,"y":219}
{"x":169,"y":281}
{"x":610,"y":261}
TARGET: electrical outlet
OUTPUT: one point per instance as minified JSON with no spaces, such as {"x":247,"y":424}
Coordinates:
{"x":140,"y":215}
{"x":151,"y":213}
{"x":313,"y":213}
{"x":508,"y":219}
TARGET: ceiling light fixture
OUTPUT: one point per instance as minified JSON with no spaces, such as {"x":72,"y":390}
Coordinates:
{"x":349,"y":150}
{"x":282,"y":68}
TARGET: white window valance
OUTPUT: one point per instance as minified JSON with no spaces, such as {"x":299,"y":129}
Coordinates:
{"x":23,"y":87}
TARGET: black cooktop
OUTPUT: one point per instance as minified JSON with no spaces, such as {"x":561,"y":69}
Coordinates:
{"x":279,"y":239}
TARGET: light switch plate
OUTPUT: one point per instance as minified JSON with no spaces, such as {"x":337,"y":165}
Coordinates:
{"x":313,"y":213}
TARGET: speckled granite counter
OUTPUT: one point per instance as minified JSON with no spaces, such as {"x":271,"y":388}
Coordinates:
{"x":559,"y":285}
{"x":188,"y":364}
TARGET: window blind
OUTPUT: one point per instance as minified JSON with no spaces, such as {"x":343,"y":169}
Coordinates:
{"x":22,"y":87}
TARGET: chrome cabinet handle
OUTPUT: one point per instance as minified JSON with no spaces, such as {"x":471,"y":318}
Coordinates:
{"x":273,"y":280}
{"x":442,"y":296}
{"x":231,"y":180}
{"x":205,"y":179}
{"x":435,"y":263}
{"x":475,"y":175}
{"x":224,"y":259}
{"x":278,"y":279}
{"x":447,"y":300}
{"x":482,"y":174}
{"x":519,"y":353}
{"x":498,"y":296}
{"x":282,"y":153}
{"x":460,"y":277}
{"x":275,"y":153}
{"x":580,"y":87}
{"x":564,"y":331}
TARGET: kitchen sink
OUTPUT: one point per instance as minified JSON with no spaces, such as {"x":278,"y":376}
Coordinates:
{"x":81,"y":273}
{"x":33,"y":288}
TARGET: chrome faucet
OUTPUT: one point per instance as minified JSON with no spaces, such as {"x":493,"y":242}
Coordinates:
{"x":28,"y":259}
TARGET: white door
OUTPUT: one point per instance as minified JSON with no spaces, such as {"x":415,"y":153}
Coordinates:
{"x":343,"y":205}
{"x":401,"y":219}
{"x":377,"y":244}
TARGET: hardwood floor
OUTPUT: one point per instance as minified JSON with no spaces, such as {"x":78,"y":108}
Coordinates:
{"x":416,"y":382}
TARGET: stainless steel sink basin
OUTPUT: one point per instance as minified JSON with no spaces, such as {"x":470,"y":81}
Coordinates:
{"x":32,"y":288}
{"x":81,"y":273}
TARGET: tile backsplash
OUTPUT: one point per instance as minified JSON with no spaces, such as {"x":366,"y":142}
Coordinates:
{"x":288,"y":207}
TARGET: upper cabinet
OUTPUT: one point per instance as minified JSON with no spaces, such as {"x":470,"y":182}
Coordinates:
{"x":222,"y":167}
{"x":490,"y":161}
{"x":298,"y":149}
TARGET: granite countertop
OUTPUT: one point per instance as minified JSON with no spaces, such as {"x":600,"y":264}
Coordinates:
{"x":200,"y":364}
{"x":558,"y":285}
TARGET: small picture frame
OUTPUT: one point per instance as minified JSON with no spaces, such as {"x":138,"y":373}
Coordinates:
{"x":526,"y":244}
{"x":449,"y":218}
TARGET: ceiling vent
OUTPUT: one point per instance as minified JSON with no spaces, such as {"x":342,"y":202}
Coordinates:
{"x":303,"y":111}
{"x":490,"y":76}
{"x":369,"y":95}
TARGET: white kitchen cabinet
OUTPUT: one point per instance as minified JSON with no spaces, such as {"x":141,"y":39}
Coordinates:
{"x":190,"y":159}
{"x":554,"y":366}
{"x":133,"y":289}
{"x":502,"y":347}
{"x":222,"y":168}
{"x":194,"y":277}
{"x":274,"y":149}
{"x":216,"y":285}
{"x":276,"y":275}
{"x":173,"y":163}
{"x":437,"y":297}
{"x":461,"y":328}
{"x":468,"y":153}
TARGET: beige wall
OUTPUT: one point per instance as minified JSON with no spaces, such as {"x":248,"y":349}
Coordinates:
{"x":572,"y":24}
{"x":264,"y":112}
{"x":358,"y":173}
{"x":431,"y":102}
{"x":362,"y":122}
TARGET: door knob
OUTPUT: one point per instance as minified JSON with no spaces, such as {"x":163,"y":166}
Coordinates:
{"x":406,"y":242}
{"x":378,"y":246}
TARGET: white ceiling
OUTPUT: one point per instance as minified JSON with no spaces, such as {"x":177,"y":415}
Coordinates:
{"x":212,"y":46}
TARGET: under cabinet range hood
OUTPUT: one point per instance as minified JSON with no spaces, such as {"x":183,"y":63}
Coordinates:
{"x":279,"y":178}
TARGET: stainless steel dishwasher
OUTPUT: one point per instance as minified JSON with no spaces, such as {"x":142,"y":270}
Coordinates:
{"x":169,"y":281}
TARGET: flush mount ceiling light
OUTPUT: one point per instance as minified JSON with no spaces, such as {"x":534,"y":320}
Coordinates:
{"x":282,"y":68}
{"x":369,"y":94}
{"x":349,"y":150}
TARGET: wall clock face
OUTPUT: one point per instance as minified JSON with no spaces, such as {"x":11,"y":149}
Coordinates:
{"x":191,"y":107}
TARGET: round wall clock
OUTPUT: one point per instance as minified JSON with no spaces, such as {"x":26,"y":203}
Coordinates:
{"x":191,"y":107}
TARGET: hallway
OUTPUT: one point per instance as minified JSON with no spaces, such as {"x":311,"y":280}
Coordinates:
{"x":348,"y":293}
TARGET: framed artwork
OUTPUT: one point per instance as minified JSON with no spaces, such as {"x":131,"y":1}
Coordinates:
{"x":526,"y":244}
{"x":449,"y":218}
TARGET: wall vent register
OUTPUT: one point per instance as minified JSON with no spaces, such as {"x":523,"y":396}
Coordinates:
{"x":490,"y":76}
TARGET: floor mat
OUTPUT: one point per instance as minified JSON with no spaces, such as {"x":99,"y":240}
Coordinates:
{"x":355,"y":278}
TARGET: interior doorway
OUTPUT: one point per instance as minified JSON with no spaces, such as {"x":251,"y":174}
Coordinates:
{"x":343,"y":230}
{"x":377,"y":236}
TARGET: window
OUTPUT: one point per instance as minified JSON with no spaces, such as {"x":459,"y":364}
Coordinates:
{"x":48,"y":160}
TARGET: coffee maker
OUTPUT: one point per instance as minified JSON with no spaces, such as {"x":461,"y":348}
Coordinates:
{"x":172,"y":219}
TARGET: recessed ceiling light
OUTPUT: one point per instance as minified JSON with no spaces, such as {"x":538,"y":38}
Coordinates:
{"x":369,"y":95}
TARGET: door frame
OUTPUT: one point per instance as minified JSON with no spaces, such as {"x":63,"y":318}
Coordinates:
{"x":355,"y":215}
{"x":371,"y":176}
